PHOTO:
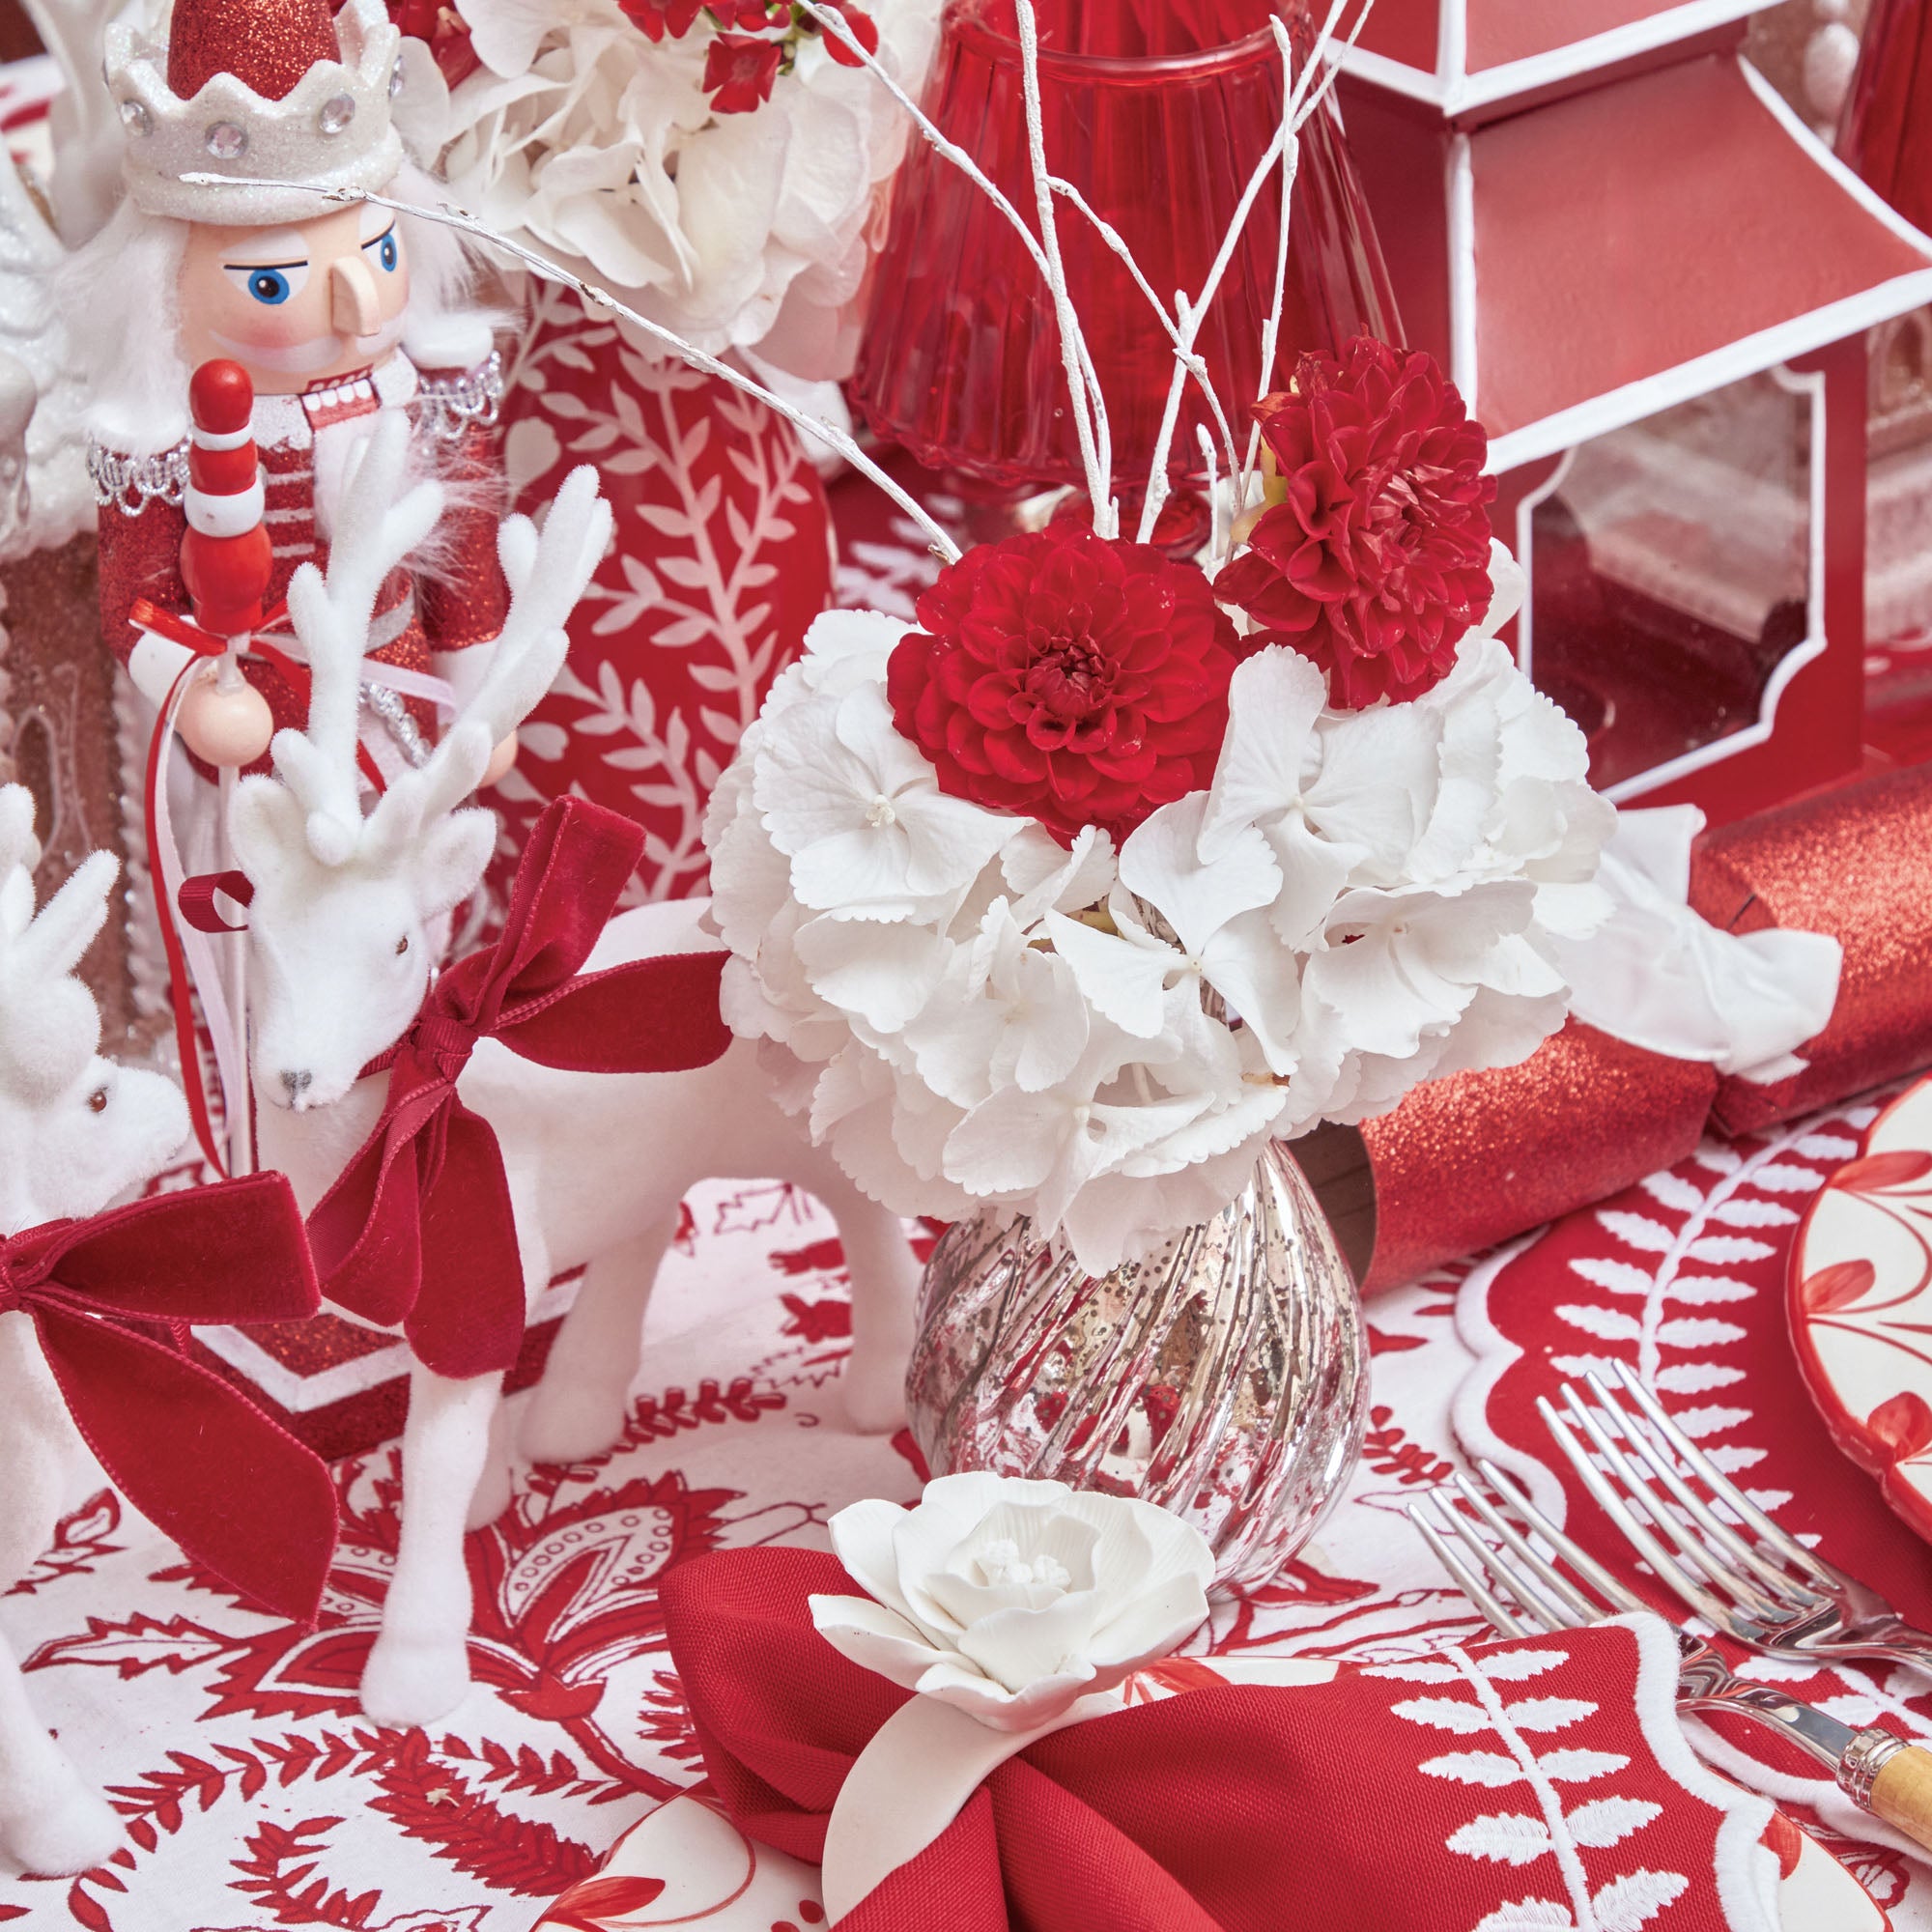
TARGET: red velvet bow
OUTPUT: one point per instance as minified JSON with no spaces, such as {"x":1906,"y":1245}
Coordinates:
{"x":240,"y":1495}
{"x":418,"y":1227}
{"x":1225,"y":1809}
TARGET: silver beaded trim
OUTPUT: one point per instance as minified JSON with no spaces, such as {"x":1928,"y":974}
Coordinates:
{"x":388,"y":705}
{"x":448,"y":407}
{"x":130,"y":483}
{"x":1865,"y":1756}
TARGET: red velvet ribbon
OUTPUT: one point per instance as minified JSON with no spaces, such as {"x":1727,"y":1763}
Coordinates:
{"x":239,"y":1494}
{"x":196,"y":898}
{"x":197,"y":894}
{"x":418,"y":1227}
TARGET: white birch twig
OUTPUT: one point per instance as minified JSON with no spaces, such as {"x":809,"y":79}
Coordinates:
{"x":1271,"y":335}
{"x":448,"y":215}
{"x":951,"y":152}
{"x":1303,"y":100}
{"x":1090,"y":410}
{"x":1197,"y":366}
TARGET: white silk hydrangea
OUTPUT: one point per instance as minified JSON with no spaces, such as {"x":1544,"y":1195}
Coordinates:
{"x":969,"y":1014}
{"x":598,"y":146}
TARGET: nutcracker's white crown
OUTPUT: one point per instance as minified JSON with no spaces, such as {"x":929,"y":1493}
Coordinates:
{"x":188,"y":106}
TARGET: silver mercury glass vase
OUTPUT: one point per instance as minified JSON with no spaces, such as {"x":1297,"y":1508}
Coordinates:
{"x":1225,"y":1376}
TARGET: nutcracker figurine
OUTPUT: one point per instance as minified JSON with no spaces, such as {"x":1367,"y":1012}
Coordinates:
{"x":298,"y":321}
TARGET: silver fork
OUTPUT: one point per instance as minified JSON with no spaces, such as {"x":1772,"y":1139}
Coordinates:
{"x":1724,"y":1556}
{"x":1520,"y":1589}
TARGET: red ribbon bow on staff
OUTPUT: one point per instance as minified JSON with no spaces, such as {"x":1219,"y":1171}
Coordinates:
{"x":418,"y":1227}
{"x":239,"y":1494}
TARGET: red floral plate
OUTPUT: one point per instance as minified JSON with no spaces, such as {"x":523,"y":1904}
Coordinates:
{"x":1858,"y":1292}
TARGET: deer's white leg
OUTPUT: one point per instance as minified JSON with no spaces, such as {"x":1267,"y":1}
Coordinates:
{"x":419,"y":1667}
{"x":49,"y":1821}
{"x":580,"y":1404}
{"x":493,"y":1487}
{"x":885,"y":1290}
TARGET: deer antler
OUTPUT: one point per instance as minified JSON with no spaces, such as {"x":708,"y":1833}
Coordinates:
{"x":49,"y":1025}
{"x":547,"y":572}
{"x":376,"y":528}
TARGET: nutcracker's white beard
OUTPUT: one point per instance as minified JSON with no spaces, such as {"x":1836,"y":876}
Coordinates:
{"x":120,"y":296}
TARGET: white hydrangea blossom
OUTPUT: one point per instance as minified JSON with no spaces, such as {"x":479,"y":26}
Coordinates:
{"x":969,"y":1014}
{"x":596,"y":145}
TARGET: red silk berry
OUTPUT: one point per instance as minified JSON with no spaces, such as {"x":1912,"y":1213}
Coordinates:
{"x":221,"y":397}
{"x":864,"y":30}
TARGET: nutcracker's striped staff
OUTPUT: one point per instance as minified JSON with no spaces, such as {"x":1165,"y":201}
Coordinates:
{"x":226,"y":562}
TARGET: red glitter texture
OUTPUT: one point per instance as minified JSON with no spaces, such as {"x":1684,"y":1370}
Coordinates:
{"x":1478,"y":1158}
{"x":267,"y":44}
{"x":1850,"y":862}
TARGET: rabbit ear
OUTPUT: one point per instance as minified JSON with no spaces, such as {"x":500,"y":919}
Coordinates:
{"x":19,"y":854}
{"x":49,"y":1025}
{"x":64,"y":927}
{"x":49,"y":1032}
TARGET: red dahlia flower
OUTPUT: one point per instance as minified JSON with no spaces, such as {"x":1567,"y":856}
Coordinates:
{"x":1067,"y":678}
{"x":1372,"y":557}
{"x":739,"y":69}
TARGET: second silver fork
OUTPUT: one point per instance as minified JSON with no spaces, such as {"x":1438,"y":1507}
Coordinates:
{"x":1520,"y":1589}
{"x":1716,"y":1550}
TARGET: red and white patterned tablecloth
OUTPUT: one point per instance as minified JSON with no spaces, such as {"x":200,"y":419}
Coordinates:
{"x":257,"y":1795}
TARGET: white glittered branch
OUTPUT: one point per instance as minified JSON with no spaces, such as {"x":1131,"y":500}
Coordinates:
{"x":950,"y":152}
{"x":1272,"y":333}
{"x":1090,"y":423}
{"x":1195,"y":364}
{"x":448,"y":215}
{"x":1304,"y":99}
{"x":1083,"y":382}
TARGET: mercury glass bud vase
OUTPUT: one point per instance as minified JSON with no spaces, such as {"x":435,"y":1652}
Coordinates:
{"x":1224,"y":1376}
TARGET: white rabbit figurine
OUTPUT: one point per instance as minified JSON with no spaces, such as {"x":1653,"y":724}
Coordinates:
{"x":76,"y":1132}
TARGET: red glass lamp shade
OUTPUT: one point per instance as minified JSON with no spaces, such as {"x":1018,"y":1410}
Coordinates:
{"x":1886,"y":131}
{"x":1157,"y":111}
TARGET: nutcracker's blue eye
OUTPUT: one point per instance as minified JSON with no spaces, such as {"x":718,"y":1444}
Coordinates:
{"x":269,"y":283}
{"x":387,"y":250}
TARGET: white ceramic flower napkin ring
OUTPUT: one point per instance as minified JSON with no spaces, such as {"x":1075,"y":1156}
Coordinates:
{"x":1010,"y":1607}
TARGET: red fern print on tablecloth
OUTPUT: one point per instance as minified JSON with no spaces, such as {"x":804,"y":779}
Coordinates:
{"x":81,"y":1541}
{"x":1683,"y":1277}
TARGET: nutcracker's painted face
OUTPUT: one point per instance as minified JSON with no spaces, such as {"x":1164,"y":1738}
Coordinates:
{"x":296,"y":305}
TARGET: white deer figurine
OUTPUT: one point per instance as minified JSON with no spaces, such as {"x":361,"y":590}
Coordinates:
{"x":76,"y":1131}
{"x":343,"y":927}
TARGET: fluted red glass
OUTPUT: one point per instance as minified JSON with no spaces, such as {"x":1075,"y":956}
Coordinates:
{"x":1886,"y":130}
{"x":1157,"y":111}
